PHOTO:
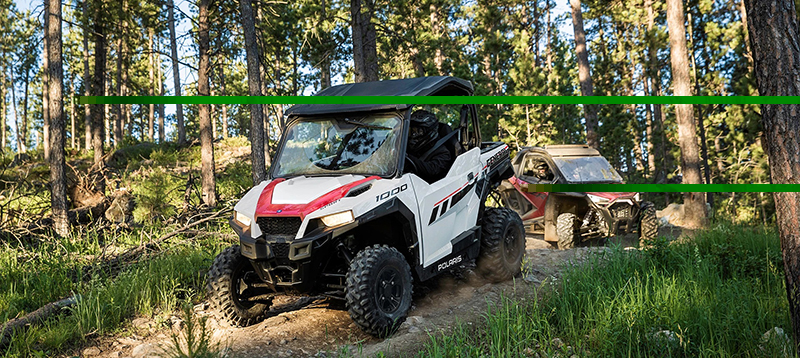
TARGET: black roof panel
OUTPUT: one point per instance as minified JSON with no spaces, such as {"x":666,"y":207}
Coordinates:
{"x":422,"y":86}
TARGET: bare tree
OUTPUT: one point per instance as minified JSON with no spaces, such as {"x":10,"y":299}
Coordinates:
{"x":87,"y":114}
{"x":776,"y":56}
{"x":58,"y":179}
{"x":151,"y":86}
{"x":20,"y":130}
{"x":160,"y":80}
{"x":365,"y":48}
{"x":206,"y":140}
{"x":98,"y":86}
{"x":176,"y":75}
{"x":254,"y":88}
{"x":4,"y":112}
{"x":584,"y":73}
{"x":45,"y":85}
{"x":693,"y":203}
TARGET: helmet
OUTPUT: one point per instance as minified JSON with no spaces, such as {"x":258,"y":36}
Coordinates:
{"x":423,"y":131}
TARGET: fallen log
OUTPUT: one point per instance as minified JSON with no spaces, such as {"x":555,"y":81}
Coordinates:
{"x":16,"y":325}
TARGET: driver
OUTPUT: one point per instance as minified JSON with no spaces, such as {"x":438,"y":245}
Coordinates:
{"x":543,"y":172}
{"x":421,"y":137}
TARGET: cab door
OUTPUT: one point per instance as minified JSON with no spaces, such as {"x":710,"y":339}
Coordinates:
{"x":448,"y":207}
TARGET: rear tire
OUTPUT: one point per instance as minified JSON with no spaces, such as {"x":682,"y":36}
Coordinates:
{"x":379,"y":287}
{"x":227,"y":284}
{"x":648,"y":222}
{"x":502,"y":245}
{"x":566,"y":229}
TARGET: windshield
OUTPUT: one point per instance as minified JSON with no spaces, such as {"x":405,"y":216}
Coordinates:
{"x":587,"y":169}
{"x":333,"y":146}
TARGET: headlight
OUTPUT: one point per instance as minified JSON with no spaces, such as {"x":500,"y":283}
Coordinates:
{"x":597,"y":199}
{"x":338,"y":218}
{"x":243,"y":219}
{"x":637,"y":197}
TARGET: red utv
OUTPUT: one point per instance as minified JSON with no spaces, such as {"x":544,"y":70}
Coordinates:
{"x":571,"y":218}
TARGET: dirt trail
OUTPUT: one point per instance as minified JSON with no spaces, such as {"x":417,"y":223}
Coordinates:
{"x":323,"y":328}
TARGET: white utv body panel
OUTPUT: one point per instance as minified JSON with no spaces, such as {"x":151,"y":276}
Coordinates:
{"x":442,"y":218}
{"x":247,"y":206}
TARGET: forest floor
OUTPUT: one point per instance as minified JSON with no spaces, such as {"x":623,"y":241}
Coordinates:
{"x":323,"y":328}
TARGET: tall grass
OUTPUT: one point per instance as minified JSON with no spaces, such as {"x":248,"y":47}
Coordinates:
{"x":32,"y":277}
{"x":715,"y":295}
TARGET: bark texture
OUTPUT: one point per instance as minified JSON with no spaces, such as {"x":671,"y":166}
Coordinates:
{"x":58,"y":179}
{"x":176,"y":75}
{"x":254,"y":87}
{"x":776,"y":56}
{"x":365,"y":48}
{"x":151,"y":91}
{"x":584,"y":73}
{"x":693,"y":203}
{"x":98,"y":87}
{"x":87,"y":114}
{"x":208,"y":182}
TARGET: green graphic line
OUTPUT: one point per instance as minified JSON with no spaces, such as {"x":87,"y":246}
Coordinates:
{"x":438,"y":100}
{"x":665,"y":188}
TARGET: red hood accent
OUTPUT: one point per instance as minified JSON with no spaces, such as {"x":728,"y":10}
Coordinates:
{"x":613,"y":196}
{"x":267,"y":208}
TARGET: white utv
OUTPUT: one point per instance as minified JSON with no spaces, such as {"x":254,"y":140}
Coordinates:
{"x":342,"y":214}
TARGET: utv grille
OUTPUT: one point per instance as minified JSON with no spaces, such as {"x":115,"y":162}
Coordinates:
{"x":621,"y":210}
{"x":281,"y":250}
{"x":285,"y":226}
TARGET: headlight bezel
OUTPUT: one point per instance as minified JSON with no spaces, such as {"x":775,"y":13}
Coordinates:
{"x":338,"y":219}
{"x":242,"y":219}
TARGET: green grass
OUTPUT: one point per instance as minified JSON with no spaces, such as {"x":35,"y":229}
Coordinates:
{"x":32,"y":277}
{"x":718,"y":293}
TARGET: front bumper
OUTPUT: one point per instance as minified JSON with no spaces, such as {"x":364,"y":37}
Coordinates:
{"x":289,"y":264}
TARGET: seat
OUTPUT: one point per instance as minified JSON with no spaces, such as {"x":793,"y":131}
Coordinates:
{"x":451,"y":144}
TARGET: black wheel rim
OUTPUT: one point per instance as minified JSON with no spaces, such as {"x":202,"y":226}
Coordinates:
{"x":240,"y":286}
{"x":389,"y":290}
{"x":510,"y":244}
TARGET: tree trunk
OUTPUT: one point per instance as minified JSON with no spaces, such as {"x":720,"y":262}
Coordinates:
{"x":71,"y":116}
{"x":24,"y":124}
{"x":438,"y":57}
{"x":654,"y":75}
{"x":119,"y":108}
{"x":693,"y":203}
{"x":224,"y":106}
{"x":160,"y":80}
{"x":107,"y":122}
{"x":776,"y":56}
{"x":151,"y":91}
{"x":254,"y":87}
{"x":749,"y":52}
{"x":206,"y":140}
{"x":584,"y":73}
{"x":45,"y":86}
{"x":4,"y":112}
{"x":20,"y":146}
{"x":265,"y":108}
{"x":651,"y":155}
{"x":87,"y":114}
{"x":98,"y":86}
{"x":58,"y":178}
{"x":365,"y":48}
{"x":176,"y":75}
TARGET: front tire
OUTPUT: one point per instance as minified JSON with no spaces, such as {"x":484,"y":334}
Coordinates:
{"x":648,"y":222}
{"x":502,"y":245}
{"x":566,"y":229}
{"x":228,"y":289}
{"x":379,"y":286}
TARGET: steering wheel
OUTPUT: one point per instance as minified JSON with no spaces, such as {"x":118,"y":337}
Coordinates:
{"x":409,"y":166}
